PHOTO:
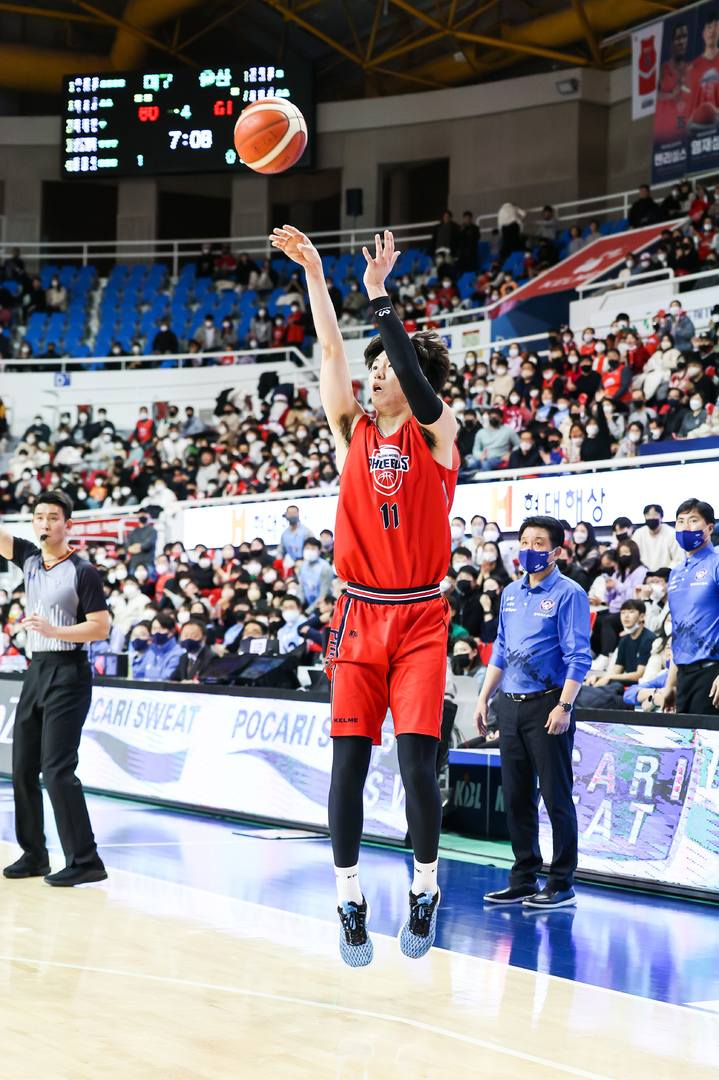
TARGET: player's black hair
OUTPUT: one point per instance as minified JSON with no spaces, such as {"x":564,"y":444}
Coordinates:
{"x":634,"y":605}
{"x":653,"y":506}
{"x":703,"y":508}
{"x":549,"y":524}
{"x":624,"y":522}
{"x":431,"y":352}
{"x":57,"y":497}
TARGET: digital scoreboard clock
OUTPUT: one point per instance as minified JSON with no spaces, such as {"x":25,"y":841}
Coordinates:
{"x":148,"y":123}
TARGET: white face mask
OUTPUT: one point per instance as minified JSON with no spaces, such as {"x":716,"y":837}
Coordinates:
{"x":183,"y":617}
{"x":312,"y":555}
{"x":588,"y":337}
{"x":577,"y":440}
{"x":457,"y":532}
{"x":477,"y":531}
{"x":525,"y":447}
{"x":580,"y":537}
{"x":635,"y":436}
{"x":254,"y":568}
{"x":491,"y":535}
{"x":514,"y":399}
{"x":290,"y":615}
{"x":120,"y":573}
{"x":514,"y":351}
{"x":131,"y":589}
{"x":696,"y":403}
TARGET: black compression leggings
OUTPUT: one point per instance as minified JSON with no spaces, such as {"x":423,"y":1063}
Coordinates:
{"x":417,"y":755}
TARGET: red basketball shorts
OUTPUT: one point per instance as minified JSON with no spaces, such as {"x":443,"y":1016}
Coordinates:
{"x":388,"y":655}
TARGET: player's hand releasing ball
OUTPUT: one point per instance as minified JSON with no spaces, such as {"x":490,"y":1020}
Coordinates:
{"x":297,"y":247}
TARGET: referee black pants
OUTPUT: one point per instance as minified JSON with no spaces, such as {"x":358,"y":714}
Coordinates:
{"x":529,"y":753}
{"x":53,"y":705}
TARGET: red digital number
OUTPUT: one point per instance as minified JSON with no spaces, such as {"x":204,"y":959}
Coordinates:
{"x":222,"y":108}
{"x":148,"y":112}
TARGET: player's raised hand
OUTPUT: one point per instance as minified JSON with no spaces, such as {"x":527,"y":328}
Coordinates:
{"x":379,"y":267}
{"x":297,"y":247}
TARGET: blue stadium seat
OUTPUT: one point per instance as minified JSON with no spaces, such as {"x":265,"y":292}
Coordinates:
{"x":13,"y":287}
{"x":68,"y":275}
{"x":47,"y":274}
{"x":272,"y":302}
{"x":423,"y":262}
{"x":621,"y":225}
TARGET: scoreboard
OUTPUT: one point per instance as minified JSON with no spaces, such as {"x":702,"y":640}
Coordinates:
{"x":138,"y":123}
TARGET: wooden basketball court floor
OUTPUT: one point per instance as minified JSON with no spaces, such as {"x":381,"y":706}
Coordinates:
{"x":211,"y":952}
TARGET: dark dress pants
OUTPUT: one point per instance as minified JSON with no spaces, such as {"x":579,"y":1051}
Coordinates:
{"x":53,"y":705}
{"x":529,"y":753}
{"x":694,"y":681}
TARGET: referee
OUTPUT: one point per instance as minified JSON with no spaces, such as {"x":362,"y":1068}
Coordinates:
{"x":540,"y":657}
{"x":66,"y":609}
{"x":693,"y":594}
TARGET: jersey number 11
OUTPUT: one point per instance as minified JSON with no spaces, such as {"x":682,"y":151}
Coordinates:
{"x":390,"y":515}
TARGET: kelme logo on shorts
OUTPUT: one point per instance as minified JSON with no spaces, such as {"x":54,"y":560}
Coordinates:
{"x":387,"y":467}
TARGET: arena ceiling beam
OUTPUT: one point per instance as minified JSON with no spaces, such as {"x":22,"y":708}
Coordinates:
{"x":48,"y":13}
{"x":134,"y":31}
{"x":578,"y":6}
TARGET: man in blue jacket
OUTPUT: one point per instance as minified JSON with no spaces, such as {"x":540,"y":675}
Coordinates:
{"x":159,"y":661}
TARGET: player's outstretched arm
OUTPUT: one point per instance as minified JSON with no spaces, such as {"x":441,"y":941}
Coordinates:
{"x":429,"y":409}
{"x":7,"y":543}
{"x":341,"y":407}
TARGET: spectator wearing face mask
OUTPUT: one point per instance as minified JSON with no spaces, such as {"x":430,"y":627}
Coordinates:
{"x":503,"y":383}
{"x":493,"y":444}
{"x":680,"y":326}
{"x":141,"y":542}
{"x":288,"y":635}
{"x":140,"y":641}
{"x":654,"y":379}
{"x":207,"y":336}
{"x":197,"y":657}
{"x":644,"y":211}
{"x":144,"y":428}
{"x":314,"y":575}
{"x":165,"y":340}
{"x":527,"y":455}
{"x":567,"y":565}
{"x":516,"y":415}
{"x":261,"y":328}
{"x":693,"y":419}
{"x":616,"y":376}
{"x":458,"y":529}
{"x":173,"y":446}
{"x":192,"y":425}
{"x":470,"y":614}
{"x":629,"y":445}
{"x":292,"y":541}
{"x":56,"y":296}
{"x":699,"y":381}
{"x":128,"y":607}
{"x":656,"y":541}
{"x":161,"y":657}
{"x":586,"y":550}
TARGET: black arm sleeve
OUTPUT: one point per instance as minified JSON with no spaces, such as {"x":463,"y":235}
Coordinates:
{"x":422,"y":399}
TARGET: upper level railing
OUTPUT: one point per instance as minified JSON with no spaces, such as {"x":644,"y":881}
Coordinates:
{"x":607,"y":206}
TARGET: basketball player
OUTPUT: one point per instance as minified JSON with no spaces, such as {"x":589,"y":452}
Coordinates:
{"x":674,"y":92}
{"x":388,"y":640}
{"x":66,"y":609}
{"x":704,"y":75}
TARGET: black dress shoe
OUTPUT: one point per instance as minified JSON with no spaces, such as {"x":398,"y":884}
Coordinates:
{"x":77,"y":875}
{"x":514,"y":894}
{"x":549,"y":899}
{"x":25,"y":867}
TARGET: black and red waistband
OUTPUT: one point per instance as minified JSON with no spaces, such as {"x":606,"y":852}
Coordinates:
{"x":393,"y":596}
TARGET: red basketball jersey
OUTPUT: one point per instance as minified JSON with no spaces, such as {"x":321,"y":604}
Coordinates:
{"x":392,"y":527}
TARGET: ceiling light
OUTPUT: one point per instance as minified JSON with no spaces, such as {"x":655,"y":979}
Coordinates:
{"x":567,"y":86}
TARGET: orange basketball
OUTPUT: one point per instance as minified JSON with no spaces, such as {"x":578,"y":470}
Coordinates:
{"x":705,"y":115}
{"x":270,"y":135}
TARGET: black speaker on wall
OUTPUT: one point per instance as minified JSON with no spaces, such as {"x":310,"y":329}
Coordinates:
{"x":353,"y":199}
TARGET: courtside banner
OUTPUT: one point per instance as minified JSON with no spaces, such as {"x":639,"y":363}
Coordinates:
{"x":598,"y":258}
{"x":266,"y":758}
{"x":597,"y":497}
{"x":646,"y":49}
{"x":647,"y":803}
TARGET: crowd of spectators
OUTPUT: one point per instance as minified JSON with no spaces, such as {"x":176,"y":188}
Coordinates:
{"x":464,"y":275}
{"x":200,"y":615}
